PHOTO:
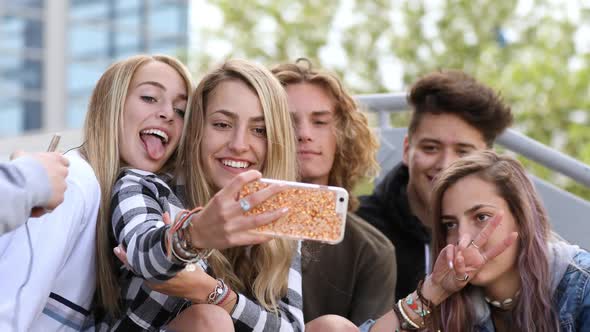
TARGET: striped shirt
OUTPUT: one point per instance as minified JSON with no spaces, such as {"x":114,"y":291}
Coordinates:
{"x":138,"y":202}
{"x":248,"y":315}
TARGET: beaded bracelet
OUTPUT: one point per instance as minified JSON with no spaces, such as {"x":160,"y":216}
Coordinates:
{"x":408,"y":323}
{"x":412,"y":303}
{"x":403,"y":324}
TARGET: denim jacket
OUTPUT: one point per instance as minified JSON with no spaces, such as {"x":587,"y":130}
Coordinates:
{"x":571,"y":297}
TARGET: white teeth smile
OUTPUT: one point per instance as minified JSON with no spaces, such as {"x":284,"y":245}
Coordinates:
{"x":156,"y":132}
{"x":235,"y":164}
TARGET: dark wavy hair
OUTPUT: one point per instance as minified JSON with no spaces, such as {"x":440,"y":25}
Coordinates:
{"x":454,"y":92}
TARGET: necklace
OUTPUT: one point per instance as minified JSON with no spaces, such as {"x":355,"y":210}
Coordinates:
{"x":505,"y":304}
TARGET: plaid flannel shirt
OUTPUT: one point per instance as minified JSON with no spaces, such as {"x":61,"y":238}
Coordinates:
{"x":138,"y":202}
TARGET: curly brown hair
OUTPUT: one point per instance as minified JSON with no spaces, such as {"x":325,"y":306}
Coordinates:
{"x":455,"y":92}
{"x":356,"y":145}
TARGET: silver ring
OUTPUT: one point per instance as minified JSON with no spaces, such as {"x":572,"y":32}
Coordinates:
{"x":475,"y":245}
{"x":485,"y":258}
{"x":245,"y":205}
{"x":465,"y":277}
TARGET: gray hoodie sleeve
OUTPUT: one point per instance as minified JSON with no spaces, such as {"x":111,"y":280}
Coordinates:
{"x":24,"y":184}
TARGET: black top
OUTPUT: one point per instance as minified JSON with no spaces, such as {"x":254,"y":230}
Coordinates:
{"x":388,"y":209}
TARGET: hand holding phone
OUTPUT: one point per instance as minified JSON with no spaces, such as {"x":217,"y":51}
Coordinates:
{"x":316,"y":212}
{"x":56,"y":167}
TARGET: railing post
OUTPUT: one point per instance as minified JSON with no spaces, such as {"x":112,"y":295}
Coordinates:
{"x":384,"y":117}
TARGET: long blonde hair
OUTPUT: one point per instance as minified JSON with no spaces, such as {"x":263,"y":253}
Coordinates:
{"x":263,"y":272}
{"x":356,"y":145}
{"x":101,"y":150}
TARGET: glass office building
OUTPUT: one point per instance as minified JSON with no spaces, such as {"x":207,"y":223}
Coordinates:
{"x":52,"y":52}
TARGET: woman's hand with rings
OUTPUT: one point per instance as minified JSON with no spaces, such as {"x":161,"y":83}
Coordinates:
{"x":222,"y":223}
{"x":457,"y":264}
{"x":475,"y":251}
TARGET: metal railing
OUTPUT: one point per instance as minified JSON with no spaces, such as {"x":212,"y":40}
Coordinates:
{"x":385,"y":103}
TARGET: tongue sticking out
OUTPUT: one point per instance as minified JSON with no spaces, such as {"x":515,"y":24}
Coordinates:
{"x":154,"y":146}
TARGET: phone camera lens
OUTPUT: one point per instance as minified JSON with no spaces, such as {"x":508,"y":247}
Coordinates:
{"x":341,"y":199}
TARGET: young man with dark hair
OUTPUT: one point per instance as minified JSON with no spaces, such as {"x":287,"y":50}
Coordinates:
{"x":452,"y":115}
{"x":355,"y":278}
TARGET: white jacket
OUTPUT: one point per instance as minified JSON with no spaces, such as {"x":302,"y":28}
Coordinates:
{"x":57,"y":293}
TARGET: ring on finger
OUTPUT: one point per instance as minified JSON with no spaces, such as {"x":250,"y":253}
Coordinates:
{"x":485,"y":258}
{"x":464,"y":278}
{"x":245,"y":205}
{"x":475,"y":245}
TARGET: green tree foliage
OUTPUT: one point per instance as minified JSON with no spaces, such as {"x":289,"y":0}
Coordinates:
{"x":535,"y":52}
{"x":270,"y":31}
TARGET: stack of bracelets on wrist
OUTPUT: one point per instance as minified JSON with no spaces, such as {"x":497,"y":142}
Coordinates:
{"x":179,"y":241}
{"x":220,"y":294}
{"x":424,"y":301}
{"x":406,"y":323}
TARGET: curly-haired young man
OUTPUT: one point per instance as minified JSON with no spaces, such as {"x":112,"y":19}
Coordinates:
{"x":355,"y":278}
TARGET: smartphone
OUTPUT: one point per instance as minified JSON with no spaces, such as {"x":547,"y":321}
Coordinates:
{"x":316,"y":213}
{"x":54,"y":142}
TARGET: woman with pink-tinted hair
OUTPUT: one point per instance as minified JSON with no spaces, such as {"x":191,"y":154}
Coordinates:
{"x":499,"y":265}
